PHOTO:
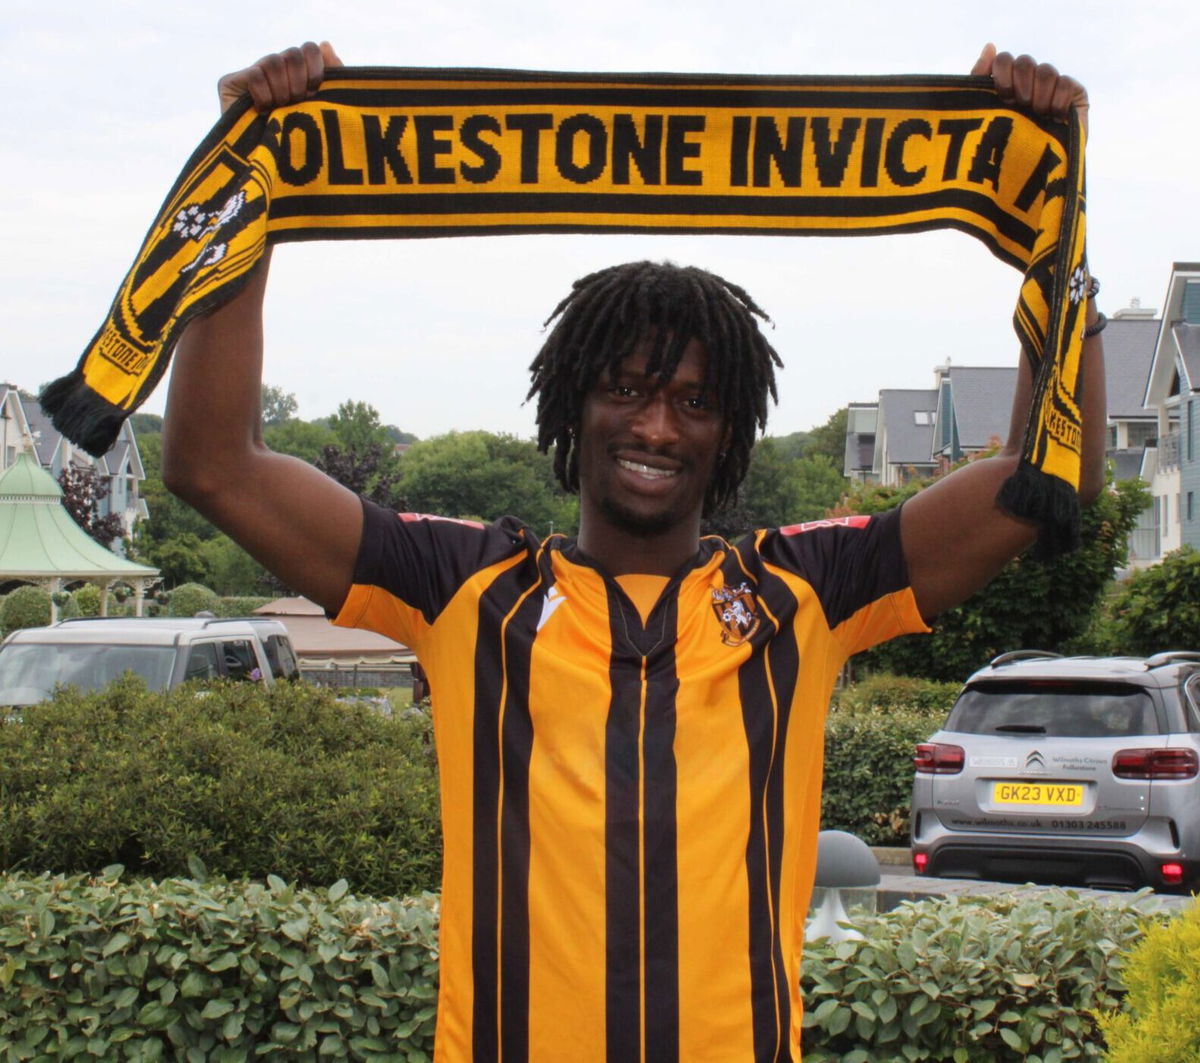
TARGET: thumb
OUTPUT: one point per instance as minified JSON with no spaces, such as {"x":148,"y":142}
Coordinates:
{"x":983,"y":65}
{"x":332,"y":59}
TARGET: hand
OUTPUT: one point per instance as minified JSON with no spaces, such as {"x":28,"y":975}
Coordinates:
{"x":279,"y":79}
{"x":1029,"y":83}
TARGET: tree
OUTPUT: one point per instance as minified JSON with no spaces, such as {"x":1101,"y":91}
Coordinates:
{"x":779,"y":490}
{"x":300,"y":439}
{"x":1158,"y":608}
{"x":829,"y":439}
{"x":1032,"y":603}
{"x":278,"y":406}
{"x":484,"y":475}
{"x":83,"y":490}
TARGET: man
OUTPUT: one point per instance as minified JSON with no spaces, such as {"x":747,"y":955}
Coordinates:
{"x":629,"y":725}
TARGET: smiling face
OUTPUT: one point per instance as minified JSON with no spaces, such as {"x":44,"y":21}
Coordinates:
{"x":646,"y":455}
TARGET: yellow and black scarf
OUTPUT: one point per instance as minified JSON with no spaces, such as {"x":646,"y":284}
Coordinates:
{"x":410,"y":153}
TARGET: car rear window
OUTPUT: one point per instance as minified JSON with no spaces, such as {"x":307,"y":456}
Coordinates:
{"x":1055,"y":708}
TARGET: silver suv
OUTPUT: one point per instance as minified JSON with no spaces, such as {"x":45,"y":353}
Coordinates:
{"x":89,"y":653}
{"x":1077,"y":771}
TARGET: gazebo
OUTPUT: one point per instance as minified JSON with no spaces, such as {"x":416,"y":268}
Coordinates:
{"x":41,"y":544}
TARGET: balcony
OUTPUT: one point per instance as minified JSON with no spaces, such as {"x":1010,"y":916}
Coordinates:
{"x":1168,"y":452}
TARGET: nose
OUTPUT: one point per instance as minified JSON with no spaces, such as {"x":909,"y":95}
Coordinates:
{"x":655,"y":423}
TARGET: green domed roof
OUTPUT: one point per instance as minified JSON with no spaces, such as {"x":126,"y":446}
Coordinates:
{"x":25,"y":479}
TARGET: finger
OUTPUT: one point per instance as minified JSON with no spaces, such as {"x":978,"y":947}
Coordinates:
{"x":1002,"y":75}
{"x":983,"y":65}
{"x":1023,"y":71}
{"x":296,"y":67}
{"x":1045,"y":83}
{"x":329,"y":55}
{"x":274,"y":79}
{"x":1069,"y":93}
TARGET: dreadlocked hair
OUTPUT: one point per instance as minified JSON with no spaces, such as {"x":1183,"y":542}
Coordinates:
{"x":609,"y":313}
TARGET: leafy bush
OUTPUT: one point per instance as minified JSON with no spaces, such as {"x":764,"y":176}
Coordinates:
{"x":242,"y":606}
{"x":25,"y":607}
{"x":1161,"y":1023}
{"x":1158,"y":608}
{"x":886,"y":691}
{"x":252,"y":780}
{"x":869,"y":771}
{"x":105,"y":969}
{"x":87,"y":599}
{"x":188,"y":599}
{"x":970,"y":981}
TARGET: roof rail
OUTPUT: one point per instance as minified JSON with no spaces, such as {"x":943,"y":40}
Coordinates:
{"x":1020,"y":655}
{"x":1170,"y":657}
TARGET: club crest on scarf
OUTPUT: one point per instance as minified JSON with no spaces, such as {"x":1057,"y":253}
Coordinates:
{"x":737,"y":613}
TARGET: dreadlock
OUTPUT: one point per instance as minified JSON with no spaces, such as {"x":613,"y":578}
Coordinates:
{"x":608,"y":313}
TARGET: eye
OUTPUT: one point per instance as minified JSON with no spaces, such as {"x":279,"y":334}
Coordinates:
{"x":698,"y":402}
{"x":623,"y":391}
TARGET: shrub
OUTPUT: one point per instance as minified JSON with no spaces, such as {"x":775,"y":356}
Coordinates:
{"x":87,"y":599}
{"x":1158,"y":608}
{"x":104,"y":969}
{"x":1162,"y":1021}
{"x":252,"y":780}
{"x":243,"y":606}
{"x":25,"y":607}
{"x":188,"y":599}
{"x":886,"y":691}
{"x":869,"y":771}
{"x":970,"y":981}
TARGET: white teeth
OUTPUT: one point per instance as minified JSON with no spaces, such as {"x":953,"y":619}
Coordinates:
{"x":645,"y":470}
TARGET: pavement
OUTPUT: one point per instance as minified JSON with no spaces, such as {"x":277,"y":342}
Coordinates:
{"x":898,"y":884}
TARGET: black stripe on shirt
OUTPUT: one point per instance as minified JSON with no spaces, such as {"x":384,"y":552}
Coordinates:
{"x":497,"y":849}
{"x":661,"y":885}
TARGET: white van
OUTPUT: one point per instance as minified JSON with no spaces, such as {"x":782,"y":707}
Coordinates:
{"x":89,"y":653}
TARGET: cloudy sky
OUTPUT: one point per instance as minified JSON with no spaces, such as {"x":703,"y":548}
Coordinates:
{"x":105,"y":101}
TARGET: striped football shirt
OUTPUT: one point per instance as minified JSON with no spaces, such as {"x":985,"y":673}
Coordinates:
{"x":630,"y":809}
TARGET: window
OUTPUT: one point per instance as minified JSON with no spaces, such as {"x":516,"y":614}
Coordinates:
{"x":202,"y":662}
{"x":924,"y":417}
{"x":239,"y":659}
{"x":1189,"y":517}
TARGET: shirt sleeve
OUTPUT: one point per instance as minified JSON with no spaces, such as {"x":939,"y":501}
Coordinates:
{"x":410,"y":565}
{"x":856,"y":567}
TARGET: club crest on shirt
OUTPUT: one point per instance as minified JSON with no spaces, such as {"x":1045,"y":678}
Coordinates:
{"x":737,"y":613}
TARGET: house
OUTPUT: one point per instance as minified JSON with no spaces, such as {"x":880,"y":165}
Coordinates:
{"x":859,"y":463}
{"x":1172,"y":465}
{"x":973,"y":410}
{"x":916,"y":432}
{"x":26,"y":429}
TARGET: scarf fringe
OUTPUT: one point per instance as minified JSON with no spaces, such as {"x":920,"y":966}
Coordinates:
{"x":1031,"y":494}
{"x":82,"y":415}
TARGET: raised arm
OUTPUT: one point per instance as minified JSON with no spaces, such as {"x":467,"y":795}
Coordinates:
{"x":300,"y":524}
{"x":955,"y":536}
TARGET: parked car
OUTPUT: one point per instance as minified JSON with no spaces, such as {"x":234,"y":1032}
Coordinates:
{"x":89,"y":653}
{"x":1066,"y":771}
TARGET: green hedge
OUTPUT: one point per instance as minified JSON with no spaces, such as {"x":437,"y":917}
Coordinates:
{"x":892,"y":692}
{"x":253,"y":781}
{"x":104,"y":969}
{"x":971,"y":981}
{"x":869,"y":771}
{"x":216,"y":970}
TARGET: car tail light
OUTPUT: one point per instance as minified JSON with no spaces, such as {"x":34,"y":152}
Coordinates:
{"x":1156,"y":764}
{"x":938,"y":758}
{"x":920,"y":862}
{"x":1172,"y":874}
